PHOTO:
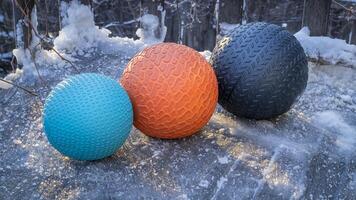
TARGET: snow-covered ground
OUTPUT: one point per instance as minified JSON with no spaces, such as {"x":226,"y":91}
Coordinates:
{"x":307,"y":153}
{"x":330,"y":50}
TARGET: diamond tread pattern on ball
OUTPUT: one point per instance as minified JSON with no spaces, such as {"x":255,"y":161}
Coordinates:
{"x":87,"y":117}
{"x":226,"y":78}
{"x":161,"y":77}
{"x":246,"y":86}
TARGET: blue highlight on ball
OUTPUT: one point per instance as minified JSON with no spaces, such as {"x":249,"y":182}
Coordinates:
{"x":87,"y":116}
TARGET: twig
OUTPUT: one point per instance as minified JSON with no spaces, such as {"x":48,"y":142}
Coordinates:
{"x":63,"y":58}
{"x":27,"y":20}
{"x":13,"y":63}
{"x":41,"y":38}
{"x":20,"y":87}
{"x":36,"y":67}
{"x":352,"y":11}
{"x":122,"y":24}
{"x":9,"y":98}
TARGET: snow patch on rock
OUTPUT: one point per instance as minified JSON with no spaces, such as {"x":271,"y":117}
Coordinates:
{"x":80,"y":37}
{"x":10,"y":78}
{"x":333,"y":51}
{"x":24,"y":56}
{"x":80,"y":34}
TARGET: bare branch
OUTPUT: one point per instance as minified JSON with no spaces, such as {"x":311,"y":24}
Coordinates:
{"x":44,"y":42}
{"x":63,"y":58}
{"x":352,"y":11}
{"x":20,"y":87}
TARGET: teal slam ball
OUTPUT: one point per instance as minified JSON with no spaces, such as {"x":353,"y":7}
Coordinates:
{"x":87,"y":116}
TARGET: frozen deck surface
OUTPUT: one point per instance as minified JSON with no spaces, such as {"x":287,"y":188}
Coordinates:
{"x":308,"y":153}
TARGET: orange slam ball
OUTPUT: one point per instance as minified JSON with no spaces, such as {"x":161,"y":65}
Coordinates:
{"x":173,"y":90}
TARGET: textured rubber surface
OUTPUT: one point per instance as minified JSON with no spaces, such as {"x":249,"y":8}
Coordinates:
{"x":261,"y":70}
{"x":173,"y":90}
{"x":87,"y":116}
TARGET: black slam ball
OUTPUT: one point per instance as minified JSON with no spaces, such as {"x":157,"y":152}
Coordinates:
{"x":261,"y":69}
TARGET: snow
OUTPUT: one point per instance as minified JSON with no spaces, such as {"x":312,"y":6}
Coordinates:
{"x":150,"y":24}
{"x":326,"y":49}
{"x":80,"y":37}
{"x":223,"y":160}
{"x":5,"y":55}
{"x":206,"y":54}
{"x":332,"y":51}
{"x":24,"y":57}
{"x":4,"y":85}
{"x":225,"y":28}
{"x":204,"y":183}
{"x":219,"y":185}
{"x":2,"y":18}
{"x":10,"y":78}
{"x":345,"y":133}
{"x":19,"y":34}
{"x":307,"y":152}
{"x":80,"y":34}
{"x":6,"y":34}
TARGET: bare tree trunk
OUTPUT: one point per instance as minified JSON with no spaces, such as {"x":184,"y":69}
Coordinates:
{"x":199,"y":32}
{"x":316,"y":16}
{"x":353,"y":33}
{"x":48,"y":17}
{"x":173,"y":25}
{"x":231,"y":11}
{"x":162,"y":18}
{"x":87,"y":2}
{"x":256,"y":10}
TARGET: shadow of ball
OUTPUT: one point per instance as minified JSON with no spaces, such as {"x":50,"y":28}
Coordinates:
{"x":261,"y":70}
{"x":87,"y":117}
{"x":173,"y":90}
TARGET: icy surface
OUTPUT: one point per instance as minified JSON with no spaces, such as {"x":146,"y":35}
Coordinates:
{"x":327,"y":49}
{"x":306,"y":153}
